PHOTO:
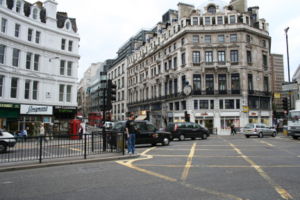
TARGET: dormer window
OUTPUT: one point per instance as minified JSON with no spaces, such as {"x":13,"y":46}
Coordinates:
{"x":232,"y":19}
{"x":67,"y":25}
{"x":34,"y":15}
{"x":211,"y":9}
{"x":207,"y":20}
{"x":18,"y":6}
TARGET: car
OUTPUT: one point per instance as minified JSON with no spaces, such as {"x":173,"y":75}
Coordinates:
{"x":147,"y":133}
{"x":6,"y":140}
{"x":259,"y":130}
{"x":182,"y":130}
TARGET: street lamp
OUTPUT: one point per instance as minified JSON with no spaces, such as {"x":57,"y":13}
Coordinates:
{"x":287,"y":49}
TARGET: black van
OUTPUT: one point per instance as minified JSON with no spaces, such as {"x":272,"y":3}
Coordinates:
{"x":182,"y":130}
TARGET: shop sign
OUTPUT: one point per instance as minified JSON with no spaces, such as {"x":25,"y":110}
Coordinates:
{"x":245,"y":109}
{"x":204,"y":114}
{"x":277,"y":95}
{"x":65,"y":107}
{"x":253,"y":114}
{"x":9,"y":105}
{"x":36,"y":110}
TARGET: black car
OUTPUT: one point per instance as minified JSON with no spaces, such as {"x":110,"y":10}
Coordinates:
{"x":182,"y":130}
{"x":147,"y":133}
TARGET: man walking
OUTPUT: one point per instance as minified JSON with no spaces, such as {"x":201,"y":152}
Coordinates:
{"x":131,"y":131}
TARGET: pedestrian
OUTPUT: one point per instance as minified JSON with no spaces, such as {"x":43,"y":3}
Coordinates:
{"x":25,"y":133}
{"x":233,"y":131}
{"x":131,"y":132}
{"x":42,"y":132}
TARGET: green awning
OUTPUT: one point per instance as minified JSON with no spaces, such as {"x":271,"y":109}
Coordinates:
{"x":9,"y":113}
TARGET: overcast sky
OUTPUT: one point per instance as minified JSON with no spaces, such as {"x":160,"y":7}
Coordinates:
{"x":105,"y":25}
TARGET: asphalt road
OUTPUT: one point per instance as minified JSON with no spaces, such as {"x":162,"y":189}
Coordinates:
{"x":220,"y":168}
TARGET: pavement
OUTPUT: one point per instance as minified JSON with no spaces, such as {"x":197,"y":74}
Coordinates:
{"x":4,"y":167}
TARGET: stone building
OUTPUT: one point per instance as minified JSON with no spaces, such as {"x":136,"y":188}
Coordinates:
{"x":210,"y":64}
{"x":39,"y":53}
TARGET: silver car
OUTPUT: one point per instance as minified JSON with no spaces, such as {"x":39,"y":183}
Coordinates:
{"x":259,"y":130}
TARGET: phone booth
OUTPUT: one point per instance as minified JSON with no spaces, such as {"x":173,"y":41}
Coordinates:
{"x":74,"y":126}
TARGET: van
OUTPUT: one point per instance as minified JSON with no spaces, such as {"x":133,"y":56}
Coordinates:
{"x":6,"y":140}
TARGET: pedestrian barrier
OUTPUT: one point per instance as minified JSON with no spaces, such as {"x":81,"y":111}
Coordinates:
{"x":41,"y":148}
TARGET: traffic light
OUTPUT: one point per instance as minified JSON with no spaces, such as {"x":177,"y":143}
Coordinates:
{"x":285,"y":104}
{"x":186,"y":116}
{"x":111,"y":93}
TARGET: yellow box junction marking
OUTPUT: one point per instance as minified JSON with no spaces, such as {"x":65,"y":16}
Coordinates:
{"x":188,"y":163}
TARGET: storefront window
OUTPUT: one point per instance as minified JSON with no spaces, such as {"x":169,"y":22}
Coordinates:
{"x":253,"y":119}
{"x":265,"y":120}
{"x":227,"y":121}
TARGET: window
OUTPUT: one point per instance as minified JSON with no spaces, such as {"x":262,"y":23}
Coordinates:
{"x":220,"y":20}
{"x":29,"y":37}
{"x":211,"y":9}
{"x":203,"y":104}
{"x":36,"y":62}
{"x":209,"y":81}
{"x":177,"y":105}
{"x":35,"y":90}
{"x":182,"y":41}
{"x":233,"y":37}
{"x":207,"y":20}
{"x":265,"y":62}
{"x":28,"y":60}
{"x":37,"y":37}
{"x":61,"y":92}
{"x":196,"y":57}
{"x":232,"y":19}
{"x":195,"y":38}
{"x":183,"y":105}
{"x":222,"y":83}
{"x":196,"y":105}
{"x":229,"y":104}
{"x":175,"y":62}
{"x":183,"y":59}
{"x":197,"y":82}
{"x":18,"y":6}
{"x":221,"y":57}
{"x":69,"y":90}
{"x":208,"y":57}
{"x":195,"y":21}
{"x":249,"y":57}
{"x":69,"y":70}
{"x":207,"y":39}
{"x":248,"y":38}
{"x":1,"y":85}
{"x":17,"y":30}
{"x":63,"y":44}
{"x":62,"y":67}
{"x":266,"y":84}
{"x":183,"y":82}
{"x":234,"y":56}
{"x":250,"y":82}
{"x":235,"y":83}
{"x":34,"y":14}
{"x":221,"y":104}
{"x":67,"y":25}
{"x":15,"y":59}
{"x":27,"y":89}
{"x":264,"y":43}
{"x":70,"y":45}
{"x":221,"y":38}
{"x":2,"y":53}
{"x":3,"y":25}
{"x":170,"y":106}
{"x":212,"y":104}
{"x":237,"y":104}
{"x":14,"y":88}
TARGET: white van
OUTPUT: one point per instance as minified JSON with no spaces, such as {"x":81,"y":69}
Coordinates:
{"x":6,"y":140}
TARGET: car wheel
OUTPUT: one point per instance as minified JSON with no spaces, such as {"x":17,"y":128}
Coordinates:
{"x":274,"y":134}
{"x":247,"y":136}
{"x":260,"y":135}
{"x":181,"y":137}
{"x":165,"y":141}
{"x":204,"y":136}
{"x":193,"y":138}
{"x":3,"y":147}
{"x":295,"y":137}
{"x":153,"y":144}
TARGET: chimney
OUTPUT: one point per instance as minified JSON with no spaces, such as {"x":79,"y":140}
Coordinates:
{"x":239,"y":5}
{"x":51,"y":8}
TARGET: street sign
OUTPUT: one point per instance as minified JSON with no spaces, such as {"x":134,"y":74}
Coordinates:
{"x":290,"y":87}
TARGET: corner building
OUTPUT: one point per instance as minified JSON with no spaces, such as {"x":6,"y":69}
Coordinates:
{"x":210,"y":62}
{"x":38,"y":65}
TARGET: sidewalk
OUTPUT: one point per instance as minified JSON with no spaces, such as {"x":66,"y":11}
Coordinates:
{"x":4,"y":167}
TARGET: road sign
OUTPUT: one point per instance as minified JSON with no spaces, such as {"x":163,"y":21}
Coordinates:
{"x":290,"y":87}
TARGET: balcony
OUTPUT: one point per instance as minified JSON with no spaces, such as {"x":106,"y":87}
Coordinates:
{"x":216,"y":92}
{"x":259,"y":93}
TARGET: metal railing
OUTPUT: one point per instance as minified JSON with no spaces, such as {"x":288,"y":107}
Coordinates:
{"x":41,"y":148}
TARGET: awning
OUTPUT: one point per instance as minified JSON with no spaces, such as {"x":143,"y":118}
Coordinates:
{"x":141,"y":117}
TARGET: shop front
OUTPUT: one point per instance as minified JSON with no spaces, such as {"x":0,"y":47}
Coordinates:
{"x":9,"y":116}
{"x":206,"y":119}
{"x":62,"y":116}
{"x":33,"y":115}
{"x":227,"y":119}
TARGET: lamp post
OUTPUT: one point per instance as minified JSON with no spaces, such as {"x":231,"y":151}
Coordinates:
{"x":287,"y":50}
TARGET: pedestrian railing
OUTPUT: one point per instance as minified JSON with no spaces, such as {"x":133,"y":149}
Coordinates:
{"x":41,"y":148}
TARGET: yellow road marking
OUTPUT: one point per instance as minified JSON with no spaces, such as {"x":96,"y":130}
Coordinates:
{"x":271,"y":145}
{"x":188,"y":163}
{"x":218,"y":166}
{"x":128,"y":163}
{"x":282,"y":192}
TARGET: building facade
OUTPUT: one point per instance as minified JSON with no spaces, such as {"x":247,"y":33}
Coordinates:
{"x":209,"y":65}
{"x":38,"y":65}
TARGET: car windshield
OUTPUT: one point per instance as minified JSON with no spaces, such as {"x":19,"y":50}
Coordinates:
{"x":249,"y":126}
{"x":118,"y":126}
{"x":294,"y":115}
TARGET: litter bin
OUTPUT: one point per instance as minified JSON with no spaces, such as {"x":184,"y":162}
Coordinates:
{"x":120,"y":143}
{"x":285,"y":130}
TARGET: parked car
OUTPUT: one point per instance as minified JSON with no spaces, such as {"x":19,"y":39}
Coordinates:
{"x":259,"y":130}
{"x":6,"y":140}
{"x":147,"y":133}
{"x":182,"y":130}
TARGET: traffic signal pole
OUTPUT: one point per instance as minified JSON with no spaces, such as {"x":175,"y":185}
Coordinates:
{"x":103,"y":118}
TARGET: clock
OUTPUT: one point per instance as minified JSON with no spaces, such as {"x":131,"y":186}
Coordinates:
{"x":187,"y":90}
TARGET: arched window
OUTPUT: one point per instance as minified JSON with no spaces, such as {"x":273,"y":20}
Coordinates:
{"x":67,"y":25}
{"x":18,"y":6}
{"x":34,"y":14}
{"x":211,"y":9}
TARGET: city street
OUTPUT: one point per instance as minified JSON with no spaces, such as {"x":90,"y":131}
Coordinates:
{"x":220,"y":168}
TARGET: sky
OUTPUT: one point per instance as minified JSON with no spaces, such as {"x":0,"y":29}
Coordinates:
{"x":105,"y":25}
